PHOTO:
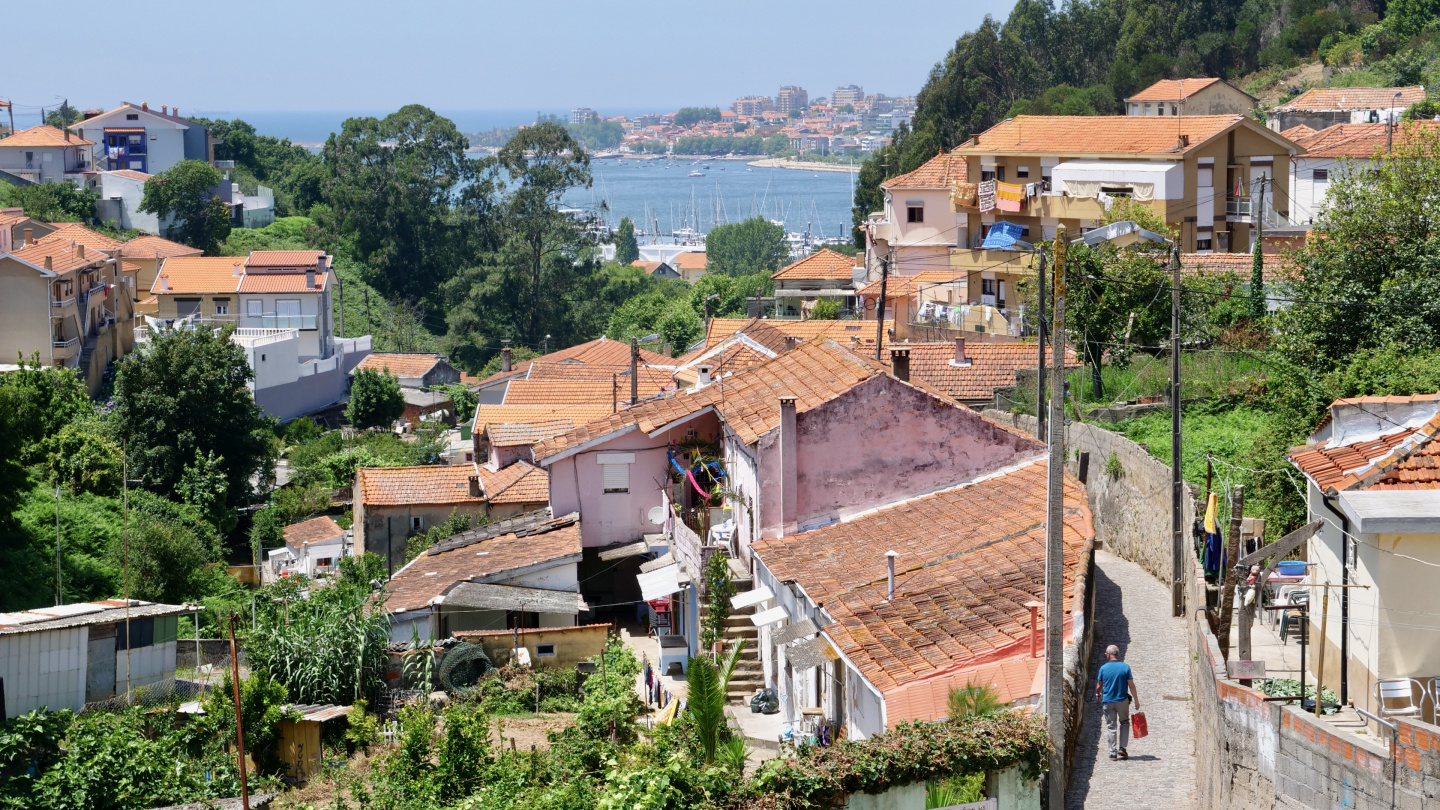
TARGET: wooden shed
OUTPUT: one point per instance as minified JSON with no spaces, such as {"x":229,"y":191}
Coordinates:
{"x":300,"y":739}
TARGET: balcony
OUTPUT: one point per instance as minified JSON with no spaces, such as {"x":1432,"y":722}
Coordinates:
{"x":1239,"y":209}
{"x":278,"y":322}
{"x":61,"y":303}
{"x":64,"y":349}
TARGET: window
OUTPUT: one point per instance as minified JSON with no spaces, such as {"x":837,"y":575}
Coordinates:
{"x":914,"y":213}
{"x":140,"y":633}
{"x":288,"y":307}
{"x":132,"y":116}
{"x":1202,"y":245}
{"x":987,"y":174}
{"x":29,"y":160}
{"x":1022,"y":171}
{"x":987,"y":286}
{"x":616,"y":477}
{"x":1320,"y":175}
{"x":1161,"y":111}
{"x":544,"y":649}
{"x":222,"y":306}
{"x":1174,"y":109}
{"x":325,"y":562}
{"x":1000,"y":173}
{"x":254,"y":307}
{"x":417,"y":523}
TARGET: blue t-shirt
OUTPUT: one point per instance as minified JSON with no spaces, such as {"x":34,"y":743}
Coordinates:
{"x":1114,"y":681}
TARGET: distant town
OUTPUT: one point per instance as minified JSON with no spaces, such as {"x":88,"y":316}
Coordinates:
{"x":846,"y":124}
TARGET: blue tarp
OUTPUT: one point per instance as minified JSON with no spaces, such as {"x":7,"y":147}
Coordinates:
{"x":1004,"y":236}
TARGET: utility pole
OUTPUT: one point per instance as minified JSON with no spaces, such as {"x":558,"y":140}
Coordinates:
{"x":1055,"y":540}
{"x":1040,"y":362}
{"x":59,"y":591}
{"x":880,"y":305}
{"x":125,"y":532}
{"x":634,"y":371}
{"x":367,"y":311}
{"x":1177,"y":480}
{"x":239,"y":725}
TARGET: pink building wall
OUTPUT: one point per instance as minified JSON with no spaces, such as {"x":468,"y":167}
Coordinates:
{"x":576,"y":484}
{"x":880,"y":442}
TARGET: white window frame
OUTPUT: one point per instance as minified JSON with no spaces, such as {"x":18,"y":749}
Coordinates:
{"x":417,"y":523}
{"x":222,"y":308}
{"x":615,"y":472}
{"x":254,"y":308}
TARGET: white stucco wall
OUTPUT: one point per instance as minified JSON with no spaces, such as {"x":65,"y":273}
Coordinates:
{"x":45,"y":668}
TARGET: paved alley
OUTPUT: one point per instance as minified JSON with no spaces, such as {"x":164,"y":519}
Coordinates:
{"x":1132,"y":610}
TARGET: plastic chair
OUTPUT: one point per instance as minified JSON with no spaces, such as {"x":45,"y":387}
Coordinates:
{"x":1297,"y":598}
{"x":1395,"y":697}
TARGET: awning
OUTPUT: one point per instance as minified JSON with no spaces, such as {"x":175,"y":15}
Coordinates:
{"x":511,"y":597}
{"x":813,"y":653}
{"x":751,"y":597}
{"x":796,"y":631}
{"x":628,"y":550}
{"x":659,"y":583}
{"x":124,"y":129}
{"x":668,"y":558}
{"x":775,"y":614}
{"x":1165,"y":180}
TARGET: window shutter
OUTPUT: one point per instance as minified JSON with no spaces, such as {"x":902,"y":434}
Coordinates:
{"x":616,"y":477}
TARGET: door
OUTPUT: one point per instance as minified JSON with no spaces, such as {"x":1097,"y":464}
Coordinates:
{"x":100,"y":663}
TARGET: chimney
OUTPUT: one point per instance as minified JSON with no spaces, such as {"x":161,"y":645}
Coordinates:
{"x":900,"y":364}
{"x":66,"y":130}
{"x":175,"y":111}
{"x":702,"y":376}
{"x":504,"y":355}
{"x":790,"y":343}
{"x":1183,"y":143}
{"x":165,"y":108}
{"x":789,"y":466}
{"x":855,"y":343}
{"x":238,"y":271}
{"x":309,"y":279}
{"x":145,"y":105}
{"x":80,"y":250}
{"x":1034,"y":627}
{"x":475,"y":487}
{"x":890,"y":572}
{"x":49,"y":265}
{"x":164,"y":283}
{"x":960,"y":360}
{"x":28,"y":237}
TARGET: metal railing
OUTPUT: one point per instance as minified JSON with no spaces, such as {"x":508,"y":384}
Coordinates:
{"x":65,"y":344}
{"x":278,"y":321}
{"x":1241,"y":207}
{"x":62,"y":302}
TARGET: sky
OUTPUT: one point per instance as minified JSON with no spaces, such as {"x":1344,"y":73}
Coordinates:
{"x":323,"y":55}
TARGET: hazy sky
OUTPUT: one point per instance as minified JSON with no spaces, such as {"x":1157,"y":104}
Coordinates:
{"x":368,"y":55}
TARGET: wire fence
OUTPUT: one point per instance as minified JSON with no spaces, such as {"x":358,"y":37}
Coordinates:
{"x":160,"y":694}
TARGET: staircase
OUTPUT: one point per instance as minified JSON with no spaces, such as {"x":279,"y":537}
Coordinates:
{"x":749,"y":675}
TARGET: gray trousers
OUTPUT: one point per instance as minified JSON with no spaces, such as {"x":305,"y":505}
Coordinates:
{"x":1117,"y":719}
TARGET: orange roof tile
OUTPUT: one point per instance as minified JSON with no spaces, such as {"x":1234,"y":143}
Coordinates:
{"x":941,"y":171}
{"x":649,"y":267}
{"x":1361,"y":140}
{"x":822,"y":264}
{"x":130,"y":174}
{"x":315,"y":530}
{"x":519,"y":542}
{"x":198,"y":274}
{"x":282,"y":259}
{"x":1172,"y":89}
{"x":1405,"y":458}
{"x":146,"y":247}
{"x":1012,"y":680}
{"x":526,"y":434}
{"x":400,"y":364}
{"x":405,"y":486}
{"x":969,"y":559}
{"x":63,"y":256}
{"x":282,"y":282}
{"x":839,"y":331}
{"x":991,"y":366}
{"x":1297,"y":132}
{"x":43,"y":135}
{"x":563,"y":392}
{"x":1102,"y":134}
{"x":80,"y":235}
{"x":528,"y":414}
{"x":521,"y":482}
{"x":1241,"y":264}
{"x":1340,"y":99}
{"x":600,"y":351}
{"x":689,"y":261}
{"x":651,"y":376}
{"x":906,"y":286}
{"x":815,"y":373}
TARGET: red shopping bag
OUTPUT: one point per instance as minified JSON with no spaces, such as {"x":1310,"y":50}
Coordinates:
{"x":1138,"y":729}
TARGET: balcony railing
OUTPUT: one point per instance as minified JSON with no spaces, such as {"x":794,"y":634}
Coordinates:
{"x":278,"y":322}
{"x":65,"y":344}
{"x":1240,"y":209}
{"x":61,"y":303}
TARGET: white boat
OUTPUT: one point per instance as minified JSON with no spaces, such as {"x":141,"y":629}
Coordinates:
{"x":696,"y":174}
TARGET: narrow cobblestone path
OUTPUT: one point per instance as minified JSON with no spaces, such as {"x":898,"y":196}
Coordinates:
{"x":1132,"y":610}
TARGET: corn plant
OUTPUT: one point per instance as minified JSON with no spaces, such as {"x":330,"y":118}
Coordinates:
{"x":328,"y":648}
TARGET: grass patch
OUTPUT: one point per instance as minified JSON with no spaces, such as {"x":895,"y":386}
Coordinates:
{"x":1204,"y":375}
{"x":1229,"y":433}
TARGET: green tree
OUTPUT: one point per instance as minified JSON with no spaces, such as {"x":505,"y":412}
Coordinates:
{"x":84,"y":458}
{"x":627,"y":249}
{"x":63,"y":116}
{"x":1257,"y":283}
{"x":755,"y":245}
{"x":689,"y":116}
{"x":185,"y":191}
{"x":203,"y":485}
{"x":187,"y":393}
{"x":52,"y":202}
{"x":375,"y":399}
{"x":293,"y":172}
{"x":825,"y":309}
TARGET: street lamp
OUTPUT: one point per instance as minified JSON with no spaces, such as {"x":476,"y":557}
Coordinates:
{"x":706,"y":304}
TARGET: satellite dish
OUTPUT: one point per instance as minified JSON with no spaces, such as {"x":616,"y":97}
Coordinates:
{"x":657,"y":515}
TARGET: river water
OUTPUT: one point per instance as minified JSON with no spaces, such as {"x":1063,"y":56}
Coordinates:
{"x":660,"y":192}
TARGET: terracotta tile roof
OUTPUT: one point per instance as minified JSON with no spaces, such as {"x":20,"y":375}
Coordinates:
{"x":750,"y":346}
{"x":969,"y":560}
{"x":1406,"y":457}
{"x":282,"y":259}
{"x":521,"y":482}
{"x":64,"y":257}
{"x":907,"y":286}
{"x":815,"y":373}
{"x":600,"y":351}
{"x":1361,"y":140}
{"x":405,"y":486}
{"x":1100,"y":134}
{"x":315,"y":530}
{"x":79,"y":234}
{"x":481,"y":554}
{"x":689,"y":261}
{"x":1172,"y":89}
{"x":562,"y":392}
{"x":523,"y":632}
{"x":822,"y":264}
{"x":526,"y":414}
{"x":283,"y":282}
{"x":992,"y":365}
{"x":145,"y":247}
{"x":1297,"y":132}
{"x":1241,"y":264}
{"x":941,"y":171}
{"x":839,"y":331}
{"x":41,"y":136}
{"x":1012,"y":680}
{"x":650,"y":267}
{"x":130,"y":174}
{"x":525,"y":434}
{"x":652,"y":376}
{"x":125,"y":105}
{"x":127,"y":267}
{"x":1340,"y":99}
{"x":198,"y":274}
{"x":400,"y":364}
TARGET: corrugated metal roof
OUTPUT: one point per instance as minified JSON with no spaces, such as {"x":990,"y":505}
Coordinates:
{"x":104,"y":612}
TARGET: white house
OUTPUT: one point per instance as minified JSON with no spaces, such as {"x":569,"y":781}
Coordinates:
{"x":120,"y":194}
{"x":1334,"y":150}
{"x":45,"y":154}
{"x":136,"y":137}
{"x":311,"y":547}
{"x":1322,"y":107}
{"x":65,"y":656}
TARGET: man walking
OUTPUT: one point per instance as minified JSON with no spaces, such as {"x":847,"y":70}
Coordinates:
{"x":1114,"y":688}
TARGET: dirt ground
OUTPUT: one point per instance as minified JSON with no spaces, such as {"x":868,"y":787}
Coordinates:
{"x":526,"y":730}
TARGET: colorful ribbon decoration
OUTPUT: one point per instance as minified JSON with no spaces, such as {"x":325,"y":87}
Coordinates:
{"x":688,"y":475}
